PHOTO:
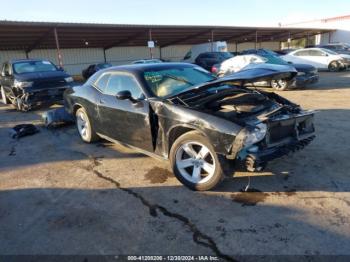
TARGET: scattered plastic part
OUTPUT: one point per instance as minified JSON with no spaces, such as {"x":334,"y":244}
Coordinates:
{"x":23,"y":130}
{"x":57,"y":116}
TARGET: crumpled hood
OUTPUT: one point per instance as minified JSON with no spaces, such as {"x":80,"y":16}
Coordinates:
{"x":41,"y":76}
{"x":261,"y":72}
{"x":250,"y":74}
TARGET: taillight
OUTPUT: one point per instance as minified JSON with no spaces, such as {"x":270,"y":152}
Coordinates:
{"x":214,"y":69}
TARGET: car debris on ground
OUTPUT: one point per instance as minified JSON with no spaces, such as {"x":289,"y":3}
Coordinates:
{"x":22,"y":130}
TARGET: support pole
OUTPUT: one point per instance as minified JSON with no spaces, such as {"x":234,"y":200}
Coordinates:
{"x":160,"y":53}
{"x":256,"y":40}
{"x":150,"y":39}
{"x":236,"y":47}
{"x":59,"y":56}
{"x":289,"y":40}
{"x":212,"y":40}
{"x":307,"y":39}
{"x":27,"y":55}
{"x":104,"y":55}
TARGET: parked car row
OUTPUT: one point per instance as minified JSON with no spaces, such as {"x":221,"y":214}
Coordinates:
{"x":307,"y":74}
{"x":204,"y":125}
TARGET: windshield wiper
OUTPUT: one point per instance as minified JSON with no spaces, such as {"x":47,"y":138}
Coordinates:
{"x":179,"y":79}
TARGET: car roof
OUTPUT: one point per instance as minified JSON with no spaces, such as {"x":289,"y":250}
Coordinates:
{"x":215,"y":52}
{"x":13,"y":61}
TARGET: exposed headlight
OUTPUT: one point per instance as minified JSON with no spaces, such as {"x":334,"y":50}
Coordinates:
{"x":255,"y":135}
{"x":22,"y":84}
{"x":69,"y":79}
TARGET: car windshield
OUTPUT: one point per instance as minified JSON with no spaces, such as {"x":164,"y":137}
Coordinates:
{"x":169,"y":82}
{"x":33,"y":67}
{"x":225,"y":55}
{"x":329,"y":51}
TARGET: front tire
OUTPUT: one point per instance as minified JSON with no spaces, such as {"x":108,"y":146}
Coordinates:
{"x":334,"y":66}
{"x":279,"y":85}
{"x":4,"y":99}
{"x":195,"y":162}
{"x":85,"y":129}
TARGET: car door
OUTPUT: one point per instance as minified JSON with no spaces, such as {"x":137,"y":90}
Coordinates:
{"x":125,"y":120}
{"x":319,"y":58}
{"x":304,"y":57}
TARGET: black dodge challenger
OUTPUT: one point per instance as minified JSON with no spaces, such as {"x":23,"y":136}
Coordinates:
{"x":205,"y":126}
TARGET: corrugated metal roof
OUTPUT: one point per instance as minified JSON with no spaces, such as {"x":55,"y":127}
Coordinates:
{"x":24,"y":35}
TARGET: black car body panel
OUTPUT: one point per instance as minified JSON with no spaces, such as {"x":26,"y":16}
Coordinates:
{"x":222,"y":110}
{"x":45,"y":87}
{"x":307,"y":74}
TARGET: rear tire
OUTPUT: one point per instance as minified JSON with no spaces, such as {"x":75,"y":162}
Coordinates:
{"x":85,"y":129}
{"x":334,"y":66}
{"x":195,"y":162}
{"x":4,"y":99}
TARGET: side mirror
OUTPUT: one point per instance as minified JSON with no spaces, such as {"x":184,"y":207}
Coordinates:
{"x":124,"y":95}
{"x":60,"y":68}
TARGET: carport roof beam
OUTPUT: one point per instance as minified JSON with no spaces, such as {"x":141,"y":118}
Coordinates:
{"x":186,"y":38}
{"x":30,"y":35}
{"x":123,"y":41}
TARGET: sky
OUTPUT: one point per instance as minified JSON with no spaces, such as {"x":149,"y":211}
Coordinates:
{"x":175,"y":12}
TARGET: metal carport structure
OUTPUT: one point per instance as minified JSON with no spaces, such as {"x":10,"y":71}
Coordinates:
{"x":28,"y":36}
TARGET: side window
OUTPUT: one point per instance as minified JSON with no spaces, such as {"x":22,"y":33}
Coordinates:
{"x":302,"y":53}
{"x":316,"y":53}
{"x":102,"y":81}
{"x":210,"y":56}
{"x":188,"y":55}
{"x":121,"y":82}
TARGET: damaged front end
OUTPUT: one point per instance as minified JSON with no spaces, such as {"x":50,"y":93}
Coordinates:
{"x":284,"y":133}
{"x":272,"y":126}
{"x":27,"y":94}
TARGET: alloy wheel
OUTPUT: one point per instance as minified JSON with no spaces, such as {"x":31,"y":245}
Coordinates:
{"x":83,"y":125}
{"x":279,"y":84}
{"x":195,"y":162}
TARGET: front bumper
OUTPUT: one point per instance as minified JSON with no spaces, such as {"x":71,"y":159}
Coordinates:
{"x":256,"y":161}
{"x":345,"y":64}
{"x":30,"y":97}
{"x":301,"y":81}
{"x":284,"y":135}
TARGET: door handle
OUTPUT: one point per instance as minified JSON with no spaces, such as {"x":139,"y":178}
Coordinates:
{"x":102,"y":101}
